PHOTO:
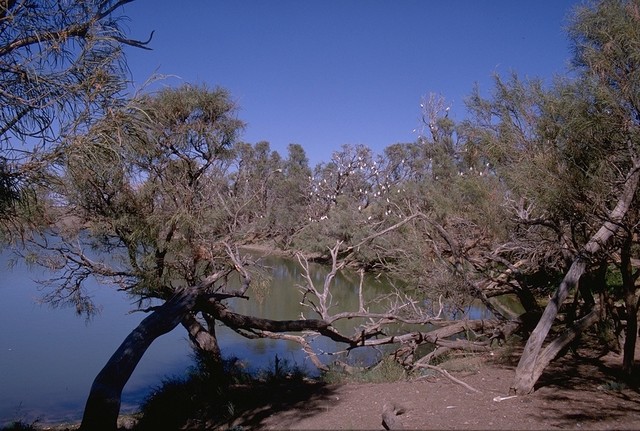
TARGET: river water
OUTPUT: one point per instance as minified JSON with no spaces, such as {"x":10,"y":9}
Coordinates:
{"x":49,"y":357}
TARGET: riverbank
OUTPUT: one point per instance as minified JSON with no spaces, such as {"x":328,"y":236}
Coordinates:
{"x":576,"y":392}
{"x":582,"y":394}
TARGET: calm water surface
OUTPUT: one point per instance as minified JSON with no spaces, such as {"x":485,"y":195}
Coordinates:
{"x":49,"y":357}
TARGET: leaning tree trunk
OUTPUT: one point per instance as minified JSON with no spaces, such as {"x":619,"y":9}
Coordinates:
{"x":571,"y":333}
{"x":530,"y":367}
{"x":103,"y":404}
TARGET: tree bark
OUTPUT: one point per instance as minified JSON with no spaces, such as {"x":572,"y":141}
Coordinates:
{"x":630,"y":305}
{"x":103,"y":404}
{"x":240,"y":321}
{"x":631,"y":333}
{"x":205,"y":340}
{"x":528,"y":371}
{"x":555,"y":347}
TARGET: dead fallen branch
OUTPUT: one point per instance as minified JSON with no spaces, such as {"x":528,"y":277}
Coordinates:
{"x":447,"y":375}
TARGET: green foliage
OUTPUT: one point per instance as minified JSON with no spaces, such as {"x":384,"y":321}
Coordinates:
{"x":63,"y":67}
{"x":144,"y":184}
{"x":613,"y":278}
{"x":613,"y":386}
{"x":280,"y":370}
{"x":606,"y":37}
{"x":505,"y":199}
{"x":9,"y":191}
{"x":387,"y":370}
{"x":606,"y":335}
{"x":172,"y":404}
{"x":177,"y":400}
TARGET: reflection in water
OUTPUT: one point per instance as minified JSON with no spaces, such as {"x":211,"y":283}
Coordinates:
{"x":282,"y":301}
{"x":49,"y":358}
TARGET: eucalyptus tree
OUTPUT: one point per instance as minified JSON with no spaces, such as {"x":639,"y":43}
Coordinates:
{"x":608,"y":51}
{"x":568,"y":157}
{"x":608,"y":57}
{"x":141,"y":185}
{"x":144,"y":201}
{"x":138,"y":206}
{"x":454,"y":203}
{"x":257,"y":170}
{"x":348,"y":200}
{"x":264,"y":166}
{"x":537,"y":190}
{"x":291,"y":186}
{"x":62,"y":66}
{"x":405,"y":162}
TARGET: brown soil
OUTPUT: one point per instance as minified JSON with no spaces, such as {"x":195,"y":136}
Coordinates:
{"x":583,"y":391}
{"x":575,"y":393}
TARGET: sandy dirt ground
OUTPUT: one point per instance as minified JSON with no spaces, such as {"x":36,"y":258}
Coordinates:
{"x":583,"y":391}
{"x":575,"y":393}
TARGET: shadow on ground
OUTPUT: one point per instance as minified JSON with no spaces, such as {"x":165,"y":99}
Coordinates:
{"x":239,"y":406}
{"x":294,"y":402}
{"x":587,"y":388}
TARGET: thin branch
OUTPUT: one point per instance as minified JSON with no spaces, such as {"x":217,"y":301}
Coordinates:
{"x":303,"y":342}
{"x":449,"y":376}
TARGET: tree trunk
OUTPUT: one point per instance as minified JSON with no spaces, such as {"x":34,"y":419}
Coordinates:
{"x":528,"y":371}
{"x":630,"y":305}
{"x":103,"y":404}
{"x":527,"y":300}
{"x":631,"y":334}
{"x":205,"y":340}
{"x":550,"y":352}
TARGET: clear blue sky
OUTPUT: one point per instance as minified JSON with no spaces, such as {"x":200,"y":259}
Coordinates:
{"x":332,"y":72}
